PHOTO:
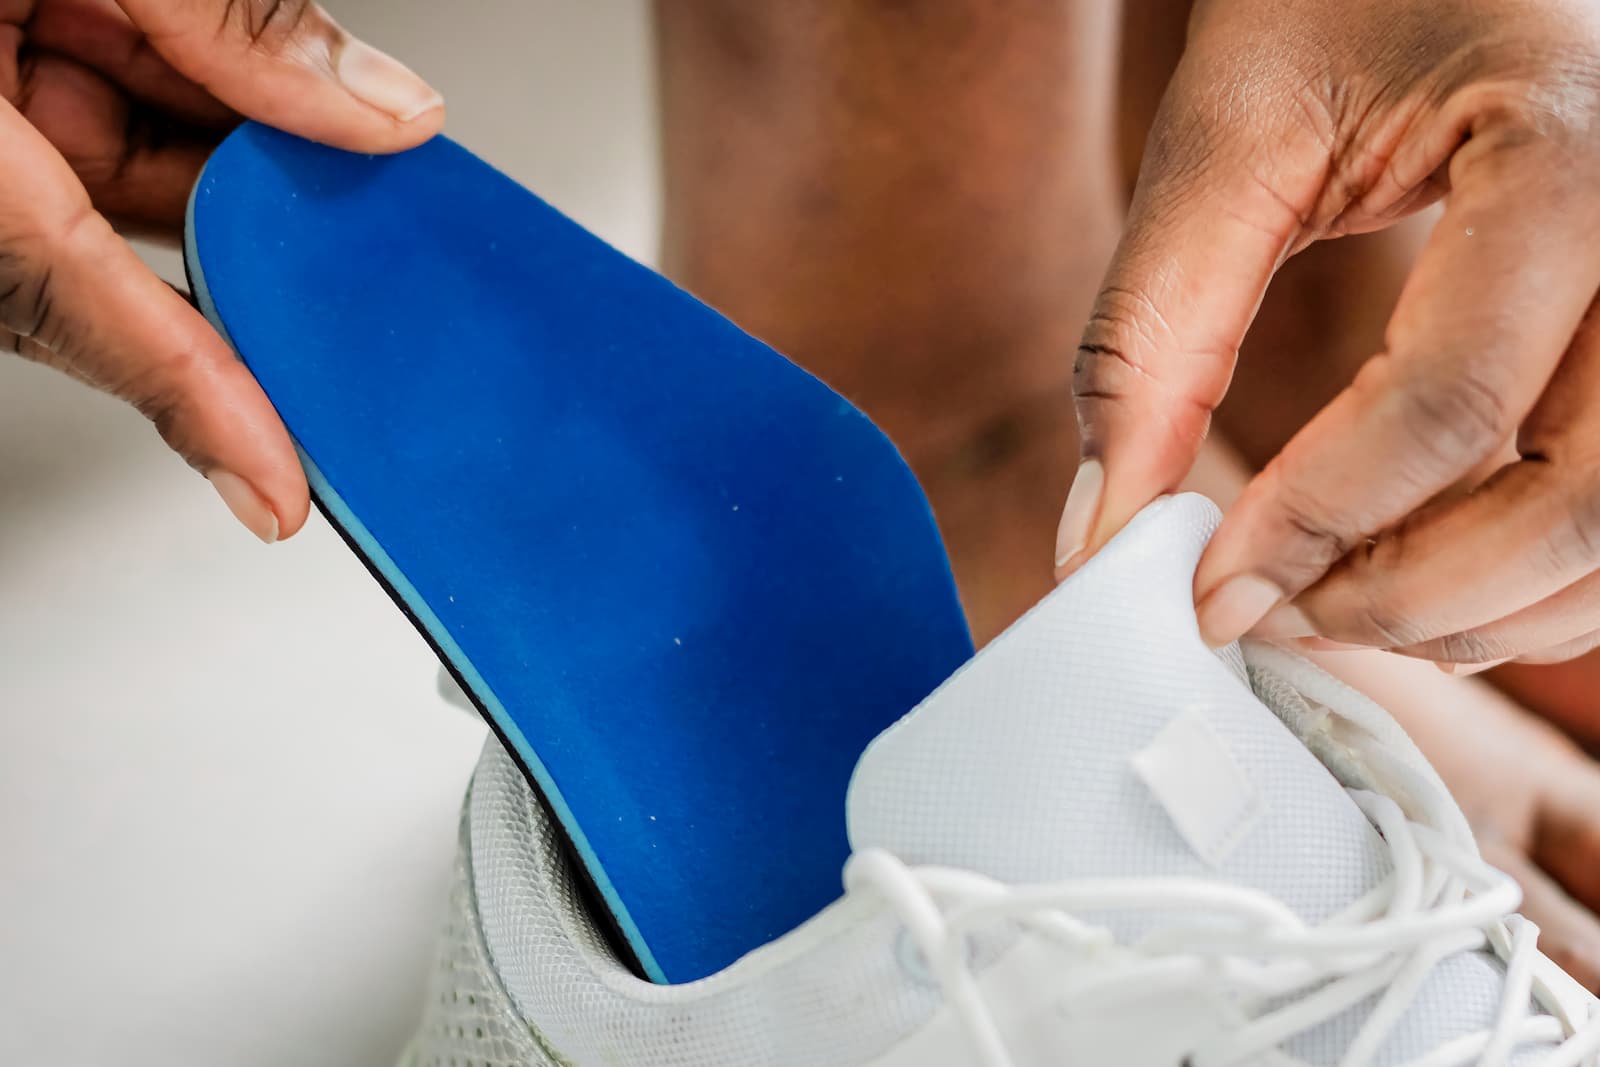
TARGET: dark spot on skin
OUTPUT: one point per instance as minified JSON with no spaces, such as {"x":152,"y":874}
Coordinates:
{"x":991,"y":446}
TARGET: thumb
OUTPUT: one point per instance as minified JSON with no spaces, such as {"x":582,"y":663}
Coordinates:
{"x":1203,"y":237}
{"x":288,"y":64}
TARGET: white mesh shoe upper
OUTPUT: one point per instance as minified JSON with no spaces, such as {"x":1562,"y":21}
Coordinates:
{"x":469,"y":1020}
{"x":515,"y":890}
{"x":1033,"y":766}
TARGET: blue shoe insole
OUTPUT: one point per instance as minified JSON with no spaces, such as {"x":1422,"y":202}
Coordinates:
{"x":684,"y":581}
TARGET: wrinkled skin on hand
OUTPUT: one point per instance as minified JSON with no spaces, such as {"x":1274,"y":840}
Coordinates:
{"x":1293,"y":121}
{"x":108,"y":109}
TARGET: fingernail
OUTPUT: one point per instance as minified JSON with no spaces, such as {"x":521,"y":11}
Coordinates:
{"x":1283,"y":622}
{"x":1083,"y":504}
{"x":1235,"y":606}
{"x":1467,"y":670}
{"x":246,"y":504}
{"x":384,"y":82}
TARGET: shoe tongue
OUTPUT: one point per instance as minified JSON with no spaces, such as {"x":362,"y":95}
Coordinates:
{"x":1099,"y":737}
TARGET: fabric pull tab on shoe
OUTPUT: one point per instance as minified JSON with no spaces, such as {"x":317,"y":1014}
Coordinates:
{"x":1211,"y":801}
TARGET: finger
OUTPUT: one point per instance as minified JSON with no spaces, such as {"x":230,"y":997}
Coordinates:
{"x":86,"y":303}
{"x":1569,"y":933}
{"x":288,"y":64}
{"x":98,"y":34}
{"x":26,"y":347}
{"x":1203,"y":236}
{"x":135,"y":166}
{"x":1480,"y":326}
{"x":1538,"y":520}
{"x":1551,"y":631}
{"x":1570,"y":650}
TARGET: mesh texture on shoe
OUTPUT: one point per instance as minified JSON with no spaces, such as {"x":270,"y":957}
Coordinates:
{"x":832,"y":992}
{"x":468,"y":1018}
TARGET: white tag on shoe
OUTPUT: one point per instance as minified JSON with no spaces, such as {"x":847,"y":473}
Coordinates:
{"x":1199,"y":784}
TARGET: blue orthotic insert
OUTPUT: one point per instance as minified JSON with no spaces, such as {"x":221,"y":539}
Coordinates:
{"x":686,"y":582}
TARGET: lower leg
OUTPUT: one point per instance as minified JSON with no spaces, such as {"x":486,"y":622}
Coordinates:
{"x":915,"y":202}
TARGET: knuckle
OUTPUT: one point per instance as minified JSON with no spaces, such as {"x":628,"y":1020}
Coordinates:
{"x":1574,"y":543}
{"x":28,"y":302}
{"x":1556,"y":105}
{"x":1320,"y":539}
{"x":1102,"y":372}
{"x":1129,"y":321}
{"x":1363,"y":602}
{"x":162,"y":390}
{"x":167,"y":412}
{"x":273,"y":24}
{"x":1377,"y":616}
{"x":1128,"y":350}
{"x":1455,"y":421}
{"x":1469,"y":647}
{"x":29,"y":349}
{"x":14,"y":278}
{"x":1108,"y":365}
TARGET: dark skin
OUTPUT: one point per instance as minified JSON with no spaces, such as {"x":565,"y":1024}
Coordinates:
{"x":107,"y":112}
{"x":810,"y":196}
{"x":1291,"y":121}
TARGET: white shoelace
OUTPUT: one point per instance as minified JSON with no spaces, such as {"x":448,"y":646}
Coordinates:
{"x":1440,"y":900}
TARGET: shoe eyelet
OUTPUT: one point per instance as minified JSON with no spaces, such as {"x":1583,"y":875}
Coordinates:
{"x":909,"y":955}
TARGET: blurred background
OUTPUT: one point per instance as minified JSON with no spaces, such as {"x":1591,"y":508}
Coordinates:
{"x":228,"y":790}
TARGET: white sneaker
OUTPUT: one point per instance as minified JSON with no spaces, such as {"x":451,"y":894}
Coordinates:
{"x":1098,"y":843}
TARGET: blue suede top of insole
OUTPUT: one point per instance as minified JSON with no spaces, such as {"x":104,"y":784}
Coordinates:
{"x":687,"y":581}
